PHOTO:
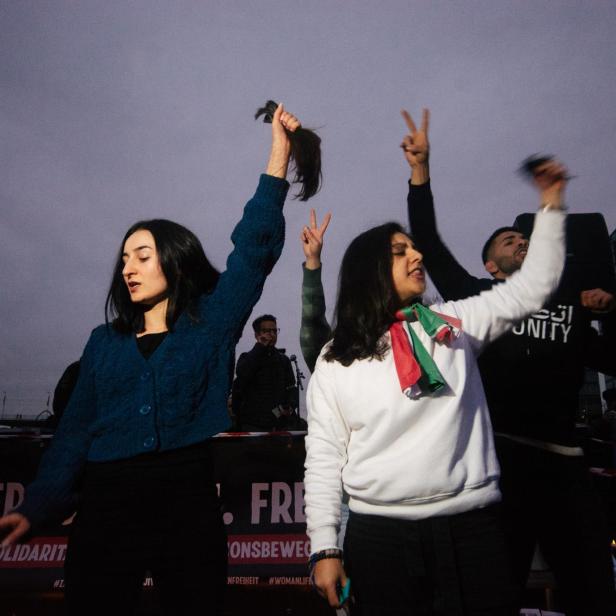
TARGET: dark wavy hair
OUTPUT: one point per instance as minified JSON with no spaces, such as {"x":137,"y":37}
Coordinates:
{"x":188,"y":272}
{"x":367,"y":301}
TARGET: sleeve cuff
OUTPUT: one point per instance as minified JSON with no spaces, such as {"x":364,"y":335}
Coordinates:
{"x":419,"y":188}
{"x":312,"y":277}
{"x":546,"y":219}
{"x":273,"y":188}
{"x":323,"y":538}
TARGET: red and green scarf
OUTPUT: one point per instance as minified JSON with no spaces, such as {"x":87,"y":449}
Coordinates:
{"x":417,"y":372}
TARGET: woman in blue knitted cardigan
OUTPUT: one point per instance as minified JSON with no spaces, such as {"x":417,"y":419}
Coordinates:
{"x":130,"y":454}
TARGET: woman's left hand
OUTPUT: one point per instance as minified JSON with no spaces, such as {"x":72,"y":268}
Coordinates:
{"x":282,"y":122}
{"x":550,"y":179}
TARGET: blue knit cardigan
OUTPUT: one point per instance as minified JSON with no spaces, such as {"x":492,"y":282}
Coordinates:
{"x":124,"y":405}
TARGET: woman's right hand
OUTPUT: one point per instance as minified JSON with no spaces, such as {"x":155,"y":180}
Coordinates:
{"x":16,"y":525}
{"x":328,"y":577}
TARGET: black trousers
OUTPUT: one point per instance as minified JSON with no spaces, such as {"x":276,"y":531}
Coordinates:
{"x":156,"y":513}
{"x":447,"y":566}
{"x":548,"y":499}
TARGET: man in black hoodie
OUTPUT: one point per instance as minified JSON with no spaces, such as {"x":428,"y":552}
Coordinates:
{"x":532,"y":377}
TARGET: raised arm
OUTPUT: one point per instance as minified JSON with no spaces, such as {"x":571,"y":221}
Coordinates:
{"x":492,"y":313}
{"x":450,"y":278}
{"x":258,"y":238}
{"x":315,"y":330}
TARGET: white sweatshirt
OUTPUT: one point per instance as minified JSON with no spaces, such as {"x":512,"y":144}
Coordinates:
{"x":417,"y":458}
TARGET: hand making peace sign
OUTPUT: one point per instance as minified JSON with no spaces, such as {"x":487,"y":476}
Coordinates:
{"x":416,"y":145}
{"x":312,"y":240}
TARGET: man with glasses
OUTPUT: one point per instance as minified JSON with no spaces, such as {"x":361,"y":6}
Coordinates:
{"x":264,"y":391}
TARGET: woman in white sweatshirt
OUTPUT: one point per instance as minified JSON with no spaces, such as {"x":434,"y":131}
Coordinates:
{"x":398,"y":420}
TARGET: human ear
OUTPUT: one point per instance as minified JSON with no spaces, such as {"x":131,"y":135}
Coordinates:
{"x":491,"y":267}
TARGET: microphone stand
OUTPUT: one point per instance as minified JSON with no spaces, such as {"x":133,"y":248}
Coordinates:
{"x":299,"y":377}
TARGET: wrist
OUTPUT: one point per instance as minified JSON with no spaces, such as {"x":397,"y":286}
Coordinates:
{"x":420,"y":174}
{"x":555,"y":197}
{"x":313,"y":263}
{"x":279,"y":160}
{"x":552,"y":205}
{"x":323,"y":555}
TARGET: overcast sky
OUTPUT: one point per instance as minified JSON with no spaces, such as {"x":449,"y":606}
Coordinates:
{"x":115,"y":111}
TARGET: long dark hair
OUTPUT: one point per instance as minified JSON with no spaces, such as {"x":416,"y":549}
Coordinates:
{"x":305,"y":152}
{"x":367,"y":301}
{"x":188,"y":272}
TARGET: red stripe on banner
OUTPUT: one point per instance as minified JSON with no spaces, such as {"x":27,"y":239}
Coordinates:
{"x":268,"y":549}
{"x":38,"y":553}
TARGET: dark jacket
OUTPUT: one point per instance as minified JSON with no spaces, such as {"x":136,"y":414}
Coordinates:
{"x":264,"y":382}
{"x":531,"y":376}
